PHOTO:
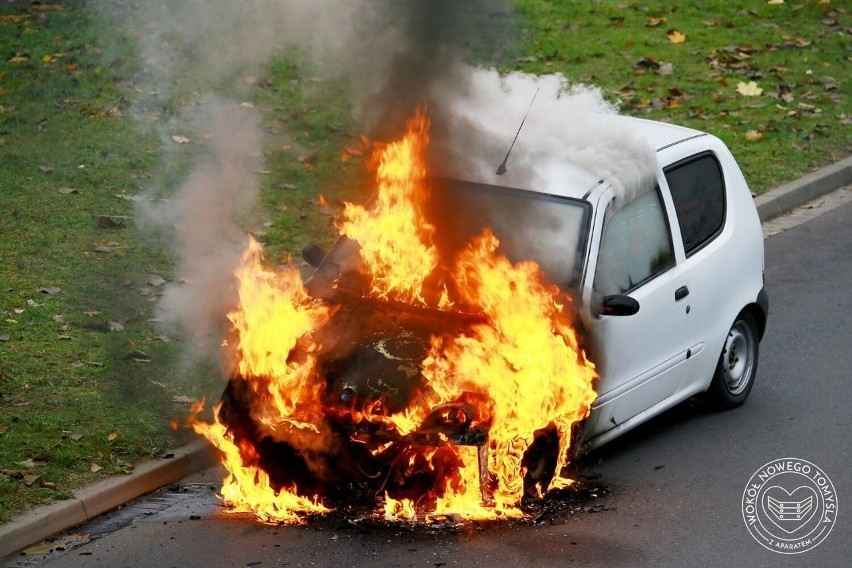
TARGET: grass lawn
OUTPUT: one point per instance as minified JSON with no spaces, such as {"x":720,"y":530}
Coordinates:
{"x":89,"y":384}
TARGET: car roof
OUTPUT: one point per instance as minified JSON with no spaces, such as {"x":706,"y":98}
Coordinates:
{"x":568,"y":179}
{"x":659,"y":134}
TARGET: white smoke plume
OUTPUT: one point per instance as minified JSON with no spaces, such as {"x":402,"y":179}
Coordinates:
{"x":568,"y":133}
{"x":203,"y":212}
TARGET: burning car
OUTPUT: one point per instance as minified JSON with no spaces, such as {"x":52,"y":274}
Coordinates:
{"x":465,"y":338}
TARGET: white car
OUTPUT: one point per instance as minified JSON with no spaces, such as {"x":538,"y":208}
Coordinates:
{"x":689,"y":255}
{"x":670,"y":282}
{"x":668,"y":288}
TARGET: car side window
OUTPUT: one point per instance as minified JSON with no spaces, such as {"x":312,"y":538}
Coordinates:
{"x":636,"y":247}
{"x":698,"y":192}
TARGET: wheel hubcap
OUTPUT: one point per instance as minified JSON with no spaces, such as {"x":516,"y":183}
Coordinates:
{"x":738,"y":362}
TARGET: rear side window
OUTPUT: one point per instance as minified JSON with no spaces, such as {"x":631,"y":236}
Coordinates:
{"x":636,"y":247}
{"x":698,"y":191}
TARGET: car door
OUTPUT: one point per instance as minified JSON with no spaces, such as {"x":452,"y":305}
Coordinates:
{"x":697,"y":189}
{"x":639,"y":357}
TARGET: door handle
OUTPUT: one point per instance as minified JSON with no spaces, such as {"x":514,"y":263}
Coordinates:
{"x":681,"y":293}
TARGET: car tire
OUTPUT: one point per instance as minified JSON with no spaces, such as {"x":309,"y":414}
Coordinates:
{"x":737,"y":365}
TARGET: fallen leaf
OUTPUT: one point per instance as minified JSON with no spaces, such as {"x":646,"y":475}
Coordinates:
{"x":773,"y":2}
{"x":753,"y":135}
{"x":33,"y":462}
{"x":652,"y":22}
{"x":5,"y":337}
{"x":105,"y":247}
{"x":115,"y":326}
{"x":309,"y":158}
{"x":127,"y":197}
{"x":76,"y":436}
{"x":105,"y":222}
{"x":95,"y":468}
{"x":749,"y":89}
{"x":112,"y":436}
{"x":67,"y":190}
{"x":665,"y":69}
{"x":138,"y":356}
{"x":30,"y":478}
{"x":181,"y":399}
{"x":13,"y":473}
{"x":156,"y":280}
{"x":64,"y":336}
{"x":92,"y":313}
{"x":49,"y":290}
{"x":675,"y":36}
{"x":180,"y":139}
{"x":18,"y":311}
{"x":58,"y":319}
{"x":77,"y":364}
{"x":45,"y":169}
{"x":47,"y":484}
{"x":3,"y":429}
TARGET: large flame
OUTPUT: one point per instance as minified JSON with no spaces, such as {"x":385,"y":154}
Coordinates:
{"x":519,"y":368}
{"x":394,"y":237}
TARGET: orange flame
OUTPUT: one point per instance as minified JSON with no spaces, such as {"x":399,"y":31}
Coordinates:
{"x":246,"y":489}
{"x":521,"y":369}
{"x":395,"y":240}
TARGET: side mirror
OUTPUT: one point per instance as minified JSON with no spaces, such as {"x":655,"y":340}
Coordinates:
{"x":617,"y":305}
{"x":313,"y":254}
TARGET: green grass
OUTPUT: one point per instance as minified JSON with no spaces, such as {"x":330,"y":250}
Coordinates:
{"x":73,"y":393}
{"x":796,"y":52}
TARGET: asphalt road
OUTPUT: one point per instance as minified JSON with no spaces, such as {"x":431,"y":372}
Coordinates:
{"x":675,"y":484}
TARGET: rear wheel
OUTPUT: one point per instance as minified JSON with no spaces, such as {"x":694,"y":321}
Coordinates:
{"x":737,"y":365}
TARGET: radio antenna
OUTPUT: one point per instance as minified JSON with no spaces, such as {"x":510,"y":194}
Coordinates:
{"x":501,"y":169}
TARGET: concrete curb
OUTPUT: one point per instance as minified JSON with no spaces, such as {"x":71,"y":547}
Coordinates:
{"x":101,"y":497}
{"x":104,"y":496}
{"x":815,"y":184}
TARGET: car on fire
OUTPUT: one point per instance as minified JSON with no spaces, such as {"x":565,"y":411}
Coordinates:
{"x":668,"y":289}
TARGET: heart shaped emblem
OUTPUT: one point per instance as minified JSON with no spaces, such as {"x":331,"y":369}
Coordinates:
{"x":790,"y":510}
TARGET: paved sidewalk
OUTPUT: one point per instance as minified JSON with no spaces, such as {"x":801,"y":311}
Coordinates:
{"x":89,"y":502}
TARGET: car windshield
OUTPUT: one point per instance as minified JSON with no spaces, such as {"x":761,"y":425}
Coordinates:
{"x":549,"y":229}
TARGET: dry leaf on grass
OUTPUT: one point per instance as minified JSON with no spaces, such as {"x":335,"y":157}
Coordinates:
{"x":49,"y":290}
{"x":183,"y":399}
{"x":95,"y":468}
{"x":30,"y":478}
{"x":76,"y":436}
{"x":180,"y":139}
{"x":112,"y":436}
{"x":749,"y":89}
{"x":105,"y":247}
{"x":67,"y":190}
{"x":675,"y":36}
{"x":753,"y":135}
